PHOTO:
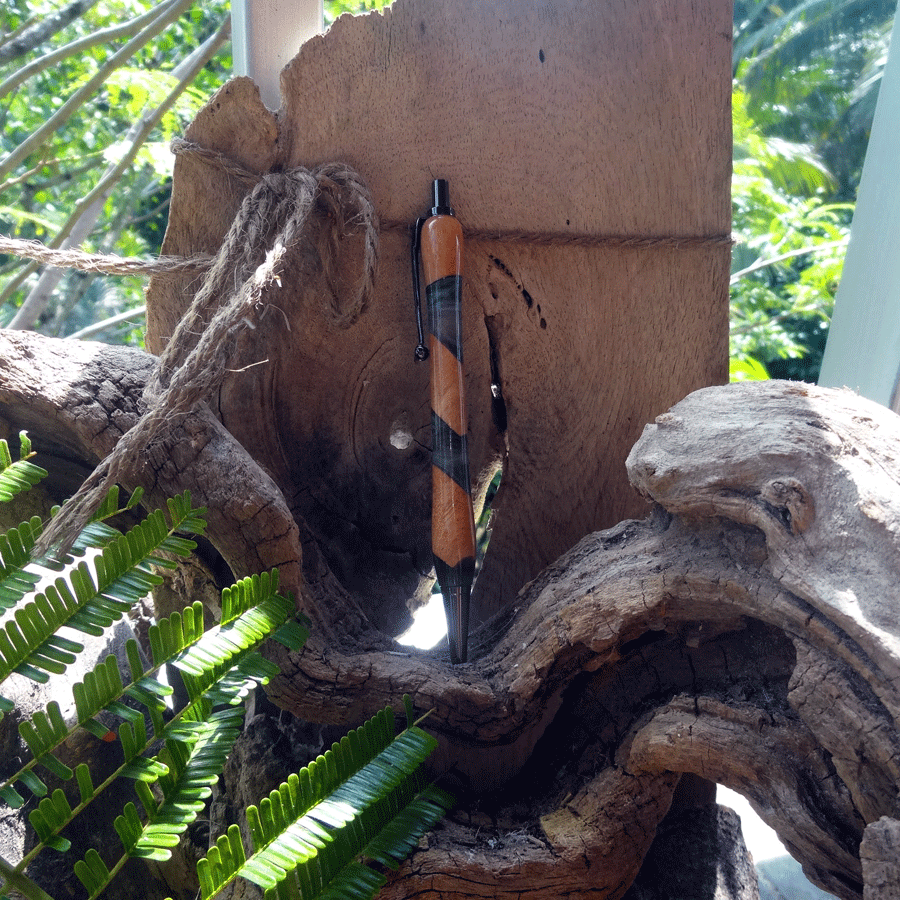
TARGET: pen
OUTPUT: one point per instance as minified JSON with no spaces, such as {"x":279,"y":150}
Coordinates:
{"x":438,"y":240}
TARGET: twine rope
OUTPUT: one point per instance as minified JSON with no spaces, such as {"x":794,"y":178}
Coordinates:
{"x":275,"y":218}
{"x":173,"y":266}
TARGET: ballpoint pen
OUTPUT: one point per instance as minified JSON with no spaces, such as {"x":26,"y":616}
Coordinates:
{"x":438,"y":240}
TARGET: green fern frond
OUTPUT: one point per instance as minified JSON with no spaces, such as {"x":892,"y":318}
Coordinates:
{"x":19,"y":573}
{"x":223,"y":664}
{"x":28,"y":643}
{"x":15,"y":553}
{"x":355,"y":880}
{"x":21,"y":475}
{"x":222,"y":863}
{"x":197,"y":741}
{"x":102,"y":685}
{"x":86,"y":790}
{"x":398,"y":838}
{"x":173,"y":634}
{"x":362,"y":796}
{"x":93,"y":873}
{"x":51,"y":816}
{"x":232,"y":668}
{"x":45,"y":731}
{"x":193,"y":770}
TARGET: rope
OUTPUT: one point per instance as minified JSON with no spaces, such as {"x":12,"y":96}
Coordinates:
{"x":106,"y":264}
{"x":275,"y":219}
{"x":174,"y":265}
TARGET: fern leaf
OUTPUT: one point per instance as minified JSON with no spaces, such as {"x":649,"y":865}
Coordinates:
{"x":192,"y":772}
{"x":15,"y":552}
{"x":222,"y":863}
{"x":247,"y":593}
{"x":185,"y":775}
{"x":92,"y":873}
{"x":188,"y":519}
{"x":122,"y":577}
{"x":85,"y":785}
{"x":102,"y":688}
{"x":171,"y":635}
{"x":223,"y":663}
{"x":398,"y":838}
{"x":45,"y":730}
{"x":51,"y":816}
{"x":33,"y":783}
{"x":128,"y":826}
{"x":11,"y":797}
{"x":306,"y":834}
{"x":101,"y":685}
{"x":354,"y":882}
{"x":21,"y":475}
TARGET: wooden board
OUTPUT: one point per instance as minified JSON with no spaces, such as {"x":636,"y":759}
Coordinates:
{"x":573,"y":118}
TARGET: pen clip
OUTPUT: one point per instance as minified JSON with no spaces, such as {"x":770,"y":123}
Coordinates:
{"x":421,"y":352}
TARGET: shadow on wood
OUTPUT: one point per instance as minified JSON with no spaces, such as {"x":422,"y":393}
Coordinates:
{"x":743,"y":633}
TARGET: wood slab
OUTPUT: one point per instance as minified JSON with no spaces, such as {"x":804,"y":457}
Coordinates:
{"x":573,"y":119}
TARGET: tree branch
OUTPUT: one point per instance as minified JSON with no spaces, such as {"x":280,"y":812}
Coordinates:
{"x":42,"y":31}
{"x":73,"y":48}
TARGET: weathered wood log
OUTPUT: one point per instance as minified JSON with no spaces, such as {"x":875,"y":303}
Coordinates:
{"x":735,"y":634}
{"x":880,"y":861}
{"x":584,"y":120}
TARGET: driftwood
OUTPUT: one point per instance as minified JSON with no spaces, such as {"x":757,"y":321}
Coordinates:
{"x":742,"y":633}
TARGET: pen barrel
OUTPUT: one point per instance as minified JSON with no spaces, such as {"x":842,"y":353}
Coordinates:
{"x":452,"y":521}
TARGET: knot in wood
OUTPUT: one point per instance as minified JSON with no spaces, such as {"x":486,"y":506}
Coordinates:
{"x":792,"y":501}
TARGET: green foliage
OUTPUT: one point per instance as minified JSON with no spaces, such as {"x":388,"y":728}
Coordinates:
{"x":748,"y":369}
{"x":20,"y":475}
{"x":804,"y":65}
{"x":40,"y":194}
{"x":335,"y":8}
{"x":806,"y":77}
{"x":365,"y":799}
{"x":787,"y":265}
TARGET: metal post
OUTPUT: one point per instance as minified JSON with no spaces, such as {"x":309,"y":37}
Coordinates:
{"x":266,"y":35}
{"x":863,"y":349}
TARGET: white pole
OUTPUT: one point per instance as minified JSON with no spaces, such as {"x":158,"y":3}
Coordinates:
{"x":266,"y":35}
{"x":863,"y":349}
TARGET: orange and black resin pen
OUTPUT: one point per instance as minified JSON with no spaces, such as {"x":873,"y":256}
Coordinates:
{"x":438,"y":240}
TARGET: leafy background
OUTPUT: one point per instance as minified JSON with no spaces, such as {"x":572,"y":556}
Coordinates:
{"x":806,"y":77}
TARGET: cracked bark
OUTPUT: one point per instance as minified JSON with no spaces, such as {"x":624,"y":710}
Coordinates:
{"x":691,"y":642}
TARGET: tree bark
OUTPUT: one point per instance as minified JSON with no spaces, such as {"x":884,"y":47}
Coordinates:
{"x":742,"y":633}
{"x":878,"y":852}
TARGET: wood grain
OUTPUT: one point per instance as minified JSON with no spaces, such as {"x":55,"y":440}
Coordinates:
{"x":572,"y":117}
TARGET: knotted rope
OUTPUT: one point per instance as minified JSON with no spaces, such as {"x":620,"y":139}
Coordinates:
{"x":275,"y":218}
